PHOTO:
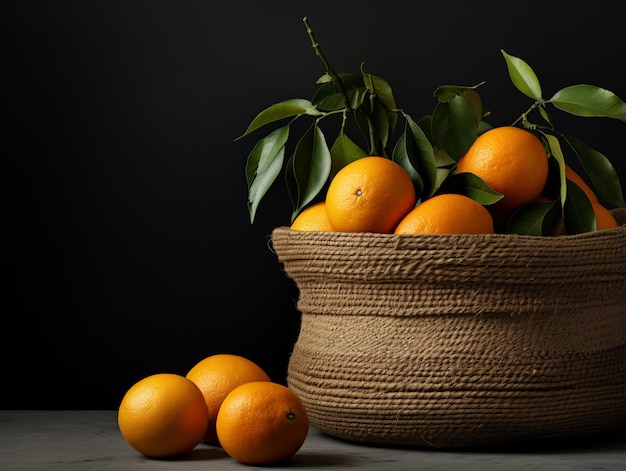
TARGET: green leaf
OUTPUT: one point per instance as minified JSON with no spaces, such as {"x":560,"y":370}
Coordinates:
{"x":456,"y":120}
{"x":363,"y":121}
{"x":443,"y":159}
{"x":381,"y":89}
{"x":454,"y":126}
{"x":329,"y":101}
{"x":442,"y":175}
{"x":522,"y":76}
{"x":357,"y":97}
{"x":324,"y":78}
{"x":344,"y":151}
{"x":425,"y":124}
{"x":557,"y":153}
{"x":604,"y":179}
{"x":404,"y":147}
{"x":483,"y":127}
{"x":328,"y":96}
{"x":374,"y":125}
{"x":472,"y":186}
{"x":589,"y":101}
{"x":282,"y":110}
{"x":424,"y":157}
{"x":263,"y":166}
{"x":439,"y":123}
{"x":445,"y":93}
{"x":552,"y":187}
{"x":310,"y":168}
{"x":578,"y":214}
{"x":382,"y":126}
{"x":544,"y":114}
{"x":537,"y":218}
{"x":475,"y":102}
{"x":416,"y":155}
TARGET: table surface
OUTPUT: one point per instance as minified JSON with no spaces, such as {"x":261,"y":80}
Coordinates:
{"x":90,"y":440}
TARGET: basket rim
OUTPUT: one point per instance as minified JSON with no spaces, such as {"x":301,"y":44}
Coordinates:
{"x":619,"y":213}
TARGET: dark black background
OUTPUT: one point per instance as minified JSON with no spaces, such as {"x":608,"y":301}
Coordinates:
{"x":127,"y":248}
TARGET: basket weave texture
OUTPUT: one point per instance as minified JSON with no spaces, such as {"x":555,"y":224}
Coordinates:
{"x":459,"y":340}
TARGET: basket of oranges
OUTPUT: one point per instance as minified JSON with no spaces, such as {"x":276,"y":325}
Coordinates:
{"x":442,"y":332}
{"x":459,"y":340}
{"x":460,"y":285}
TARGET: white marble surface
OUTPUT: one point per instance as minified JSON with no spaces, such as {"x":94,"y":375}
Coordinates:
{"x":90,"y":440}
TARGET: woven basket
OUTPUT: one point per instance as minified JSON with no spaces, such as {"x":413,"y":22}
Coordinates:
{"x":459,"y":340}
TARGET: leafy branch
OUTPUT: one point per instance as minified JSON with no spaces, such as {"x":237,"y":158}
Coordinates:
{"x":580,"y":100}
{"x":428,"y":148}
{"x":329,"y":70}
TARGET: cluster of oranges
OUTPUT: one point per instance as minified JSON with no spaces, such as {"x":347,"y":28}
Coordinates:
{"x":224,"y":400}
{"x":375,"y":194}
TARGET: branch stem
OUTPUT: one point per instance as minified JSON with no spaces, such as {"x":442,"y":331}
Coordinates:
{"x":524,"y":116}
{"x":329,"y":70}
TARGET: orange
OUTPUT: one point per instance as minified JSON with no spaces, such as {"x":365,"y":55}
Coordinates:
{"x":576,"y":178}
{"x":512,"y":161}
{"x":216,"y":376}
{"x":262,"y":423}
{"x":163,"y":415}
{"x":448,"y":213}
{"x":604,"y":217}
{"x":370,"y":194}
{"x":313,"y":218}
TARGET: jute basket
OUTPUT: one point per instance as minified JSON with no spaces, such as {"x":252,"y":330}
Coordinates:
{"x":459,"y":341}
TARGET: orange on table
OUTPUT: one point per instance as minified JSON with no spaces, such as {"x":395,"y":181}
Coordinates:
{"x":163,"y":415}
{"x":313,"y":218}
{"x":262,"y":423}
{"x":216,"y":376}
{"x":512,"y":161}
{"x":370,"y":194}
{"x":447,"y":213}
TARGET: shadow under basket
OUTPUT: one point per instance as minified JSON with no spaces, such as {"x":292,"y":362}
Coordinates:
{"x":459,"y":340}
